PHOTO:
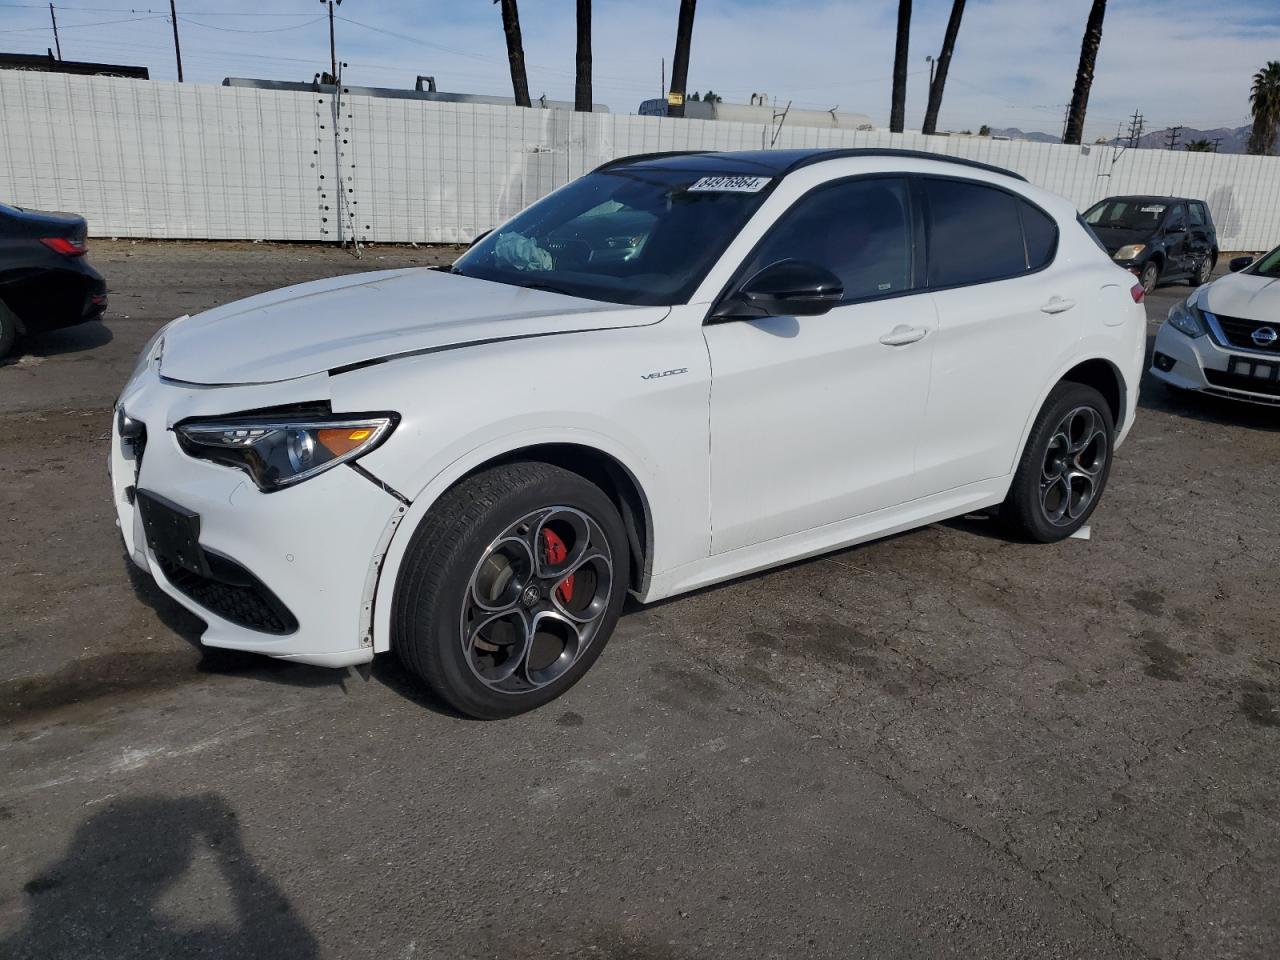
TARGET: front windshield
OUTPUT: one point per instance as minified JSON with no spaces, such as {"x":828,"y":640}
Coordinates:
{"x":627,"y":235}
{"x":1267,"y":265}
{"x":1127,"y":214}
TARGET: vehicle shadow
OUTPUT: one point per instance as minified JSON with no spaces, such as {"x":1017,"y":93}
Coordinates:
{"x":1157,"y":396}
{"x":54,"y":343}
{"x":109,"y":894}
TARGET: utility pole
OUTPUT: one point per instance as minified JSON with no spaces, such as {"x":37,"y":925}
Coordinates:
{"x":1135,"y":129}
{"x":333,"y":52}
{"x":680,"y":62}
{"x":1172,"y":137}
{"x":933,"y":62}
{"x":177,"y":49}
{"x":54,"y":18}
{"x":1217,"y":142}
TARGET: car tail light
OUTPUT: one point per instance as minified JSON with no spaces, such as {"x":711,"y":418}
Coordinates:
{"x":68,"y":248}
{"x":1137,"y":293}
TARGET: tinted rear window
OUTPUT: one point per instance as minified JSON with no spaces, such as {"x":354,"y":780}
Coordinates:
{"x":974,"y":233}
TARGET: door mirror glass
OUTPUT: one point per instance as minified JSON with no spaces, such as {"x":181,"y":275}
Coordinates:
{"x":1239,"y":263}
{"x":788,"y":288}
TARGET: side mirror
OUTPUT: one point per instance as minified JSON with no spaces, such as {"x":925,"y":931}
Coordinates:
{"x":788,"y":288}
{"x":1239,"y":263}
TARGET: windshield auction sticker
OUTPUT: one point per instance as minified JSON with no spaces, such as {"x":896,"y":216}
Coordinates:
{"x":730,"y":185}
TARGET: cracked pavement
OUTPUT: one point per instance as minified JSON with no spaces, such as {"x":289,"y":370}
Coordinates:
{"x":939,"y":744}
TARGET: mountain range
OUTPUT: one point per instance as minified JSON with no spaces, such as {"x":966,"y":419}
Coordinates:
{"x":1234,"y":139}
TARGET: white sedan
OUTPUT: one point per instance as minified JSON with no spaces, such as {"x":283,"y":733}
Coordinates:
{"x":675,"y":370}
{"x":1224,"y":339}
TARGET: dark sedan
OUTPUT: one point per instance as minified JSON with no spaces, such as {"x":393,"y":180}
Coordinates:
{"x":1158,"y":239}
{"x":45,"y":280}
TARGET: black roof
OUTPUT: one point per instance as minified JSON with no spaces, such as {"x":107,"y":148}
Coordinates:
{"x":1149,"y":198}
{"x":47,"y":63}
{"x":779,"y":163}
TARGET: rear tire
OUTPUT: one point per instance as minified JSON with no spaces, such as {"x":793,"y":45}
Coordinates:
{"x":510,"y":589}
{"x":1203,"y":271}
{"x":1064,"y":467}
{"x":8,"y":330}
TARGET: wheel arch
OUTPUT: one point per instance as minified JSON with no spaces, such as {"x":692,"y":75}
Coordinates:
{"x":608,"y":469}
{"x":1104,"y":376}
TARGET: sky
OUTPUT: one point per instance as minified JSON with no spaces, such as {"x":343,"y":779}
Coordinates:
{"x":1187,"y":62}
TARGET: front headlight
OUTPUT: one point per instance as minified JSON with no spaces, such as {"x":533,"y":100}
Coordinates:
{"x":1130,"y":252}
{"x":280,"y":452}
{"x":1186,"y":317}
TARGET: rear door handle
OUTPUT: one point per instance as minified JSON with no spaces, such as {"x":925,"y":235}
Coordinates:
{"x":1058,"y":305}
{"x":902,"y":335}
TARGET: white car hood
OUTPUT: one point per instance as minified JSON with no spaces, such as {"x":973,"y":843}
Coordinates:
{"x":1243,"y":295}
{"x":326,"y":324}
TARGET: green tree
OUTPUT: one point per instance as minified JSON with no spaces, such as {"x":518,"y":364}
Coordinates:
{"x":1264,"y":99}
{"x":711,"y":97}
{"x":984,"y":131}
{"x":1200,"y":146}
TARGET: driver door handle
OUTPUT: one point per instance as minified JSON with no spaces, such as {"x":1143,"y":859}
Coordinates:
{"x":902,"y":335}
{"x":1058,"y":305}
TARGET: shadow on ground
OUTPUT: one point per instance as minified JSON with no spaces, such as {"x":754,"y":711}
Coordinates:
{"x":120,"y":890}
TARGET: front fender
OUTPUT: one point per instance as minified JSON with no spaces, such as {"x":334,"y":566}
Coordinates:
{"x":451,"y":473}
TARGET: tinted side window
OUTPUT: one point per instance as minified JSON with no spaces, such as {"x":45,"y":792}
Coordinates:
{"x":1041,"y":235}
{"x":859,"y":230}
{"x":974,"y":233}
{"x":1177,"y":219}
{"x":1198,"y":218}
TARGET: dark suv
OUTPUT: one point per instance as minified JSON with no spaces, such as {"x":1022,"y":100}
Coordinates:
{"x":1157,"y":238}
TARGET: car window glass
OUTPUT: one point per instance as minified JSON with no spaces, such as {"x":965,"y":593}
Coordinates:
{"x":1133,"y":216}
{"x":858,"y":229}
{"x":960,"y":213}
{"x":1197,"y":215}
{"x":1041,"y":235}
{"x":1177,"y":219}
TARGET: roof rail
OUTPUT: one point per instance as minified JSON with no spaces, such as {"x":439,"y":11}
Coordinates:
{"x":818,"y":156}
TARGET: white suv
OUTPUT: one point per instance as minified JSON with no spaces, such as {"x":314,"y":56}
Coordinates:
{"x":678,"y":369}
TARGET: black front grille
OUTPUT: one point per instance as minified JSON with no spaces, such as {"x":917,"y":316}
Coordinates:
{"x":233,"y":593}
{"x":1236,"y":381}
{"x":1239,"y":333}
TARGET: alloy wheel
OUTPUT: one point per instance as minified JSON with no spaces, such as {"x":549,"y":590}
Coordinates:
{"x":1150,"y":277}
{"x":1073,"y":465}
{"x":1204,"y":270}
{"x":536,"y":599}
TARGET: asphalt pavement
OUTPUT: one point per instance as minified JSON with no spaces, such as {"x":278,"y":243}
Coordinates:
{"x":942,"y":744}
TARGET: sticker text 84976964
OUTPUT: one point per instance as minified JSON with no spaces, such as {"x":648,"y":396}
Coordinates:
{"x":726,"y":184}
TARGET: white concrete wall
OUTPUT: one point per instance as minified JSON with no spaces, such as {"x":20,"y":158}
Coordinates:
{"x":150,"y":159}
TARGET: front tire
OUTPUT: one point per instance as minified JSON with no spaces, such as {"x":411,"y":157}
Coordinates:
{"x":1064,"y":467}
{"x":1150,"y":276}
{"x":510,"y":588}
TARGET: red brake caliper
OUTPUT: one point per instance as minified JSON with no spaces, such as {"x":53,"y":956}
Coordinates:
{"x":555,"y":553}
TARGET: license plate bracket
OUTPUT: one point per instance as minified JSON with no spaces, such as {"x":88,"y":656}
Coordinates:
{"x":173,"y":532}
{"x":1262,"y":370}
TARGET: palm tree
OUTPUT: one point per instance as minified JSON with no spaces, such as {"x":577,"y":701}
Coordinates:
{"x":1084,"y":72}
{"x":582,"y":87}
{"x":680,"y":64}
{"x":898,"y":106}
{"x":1265,"y":100}
{"x":515,"y":52}
{"x":1200,"y":146}
{"x":944,"y":61}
